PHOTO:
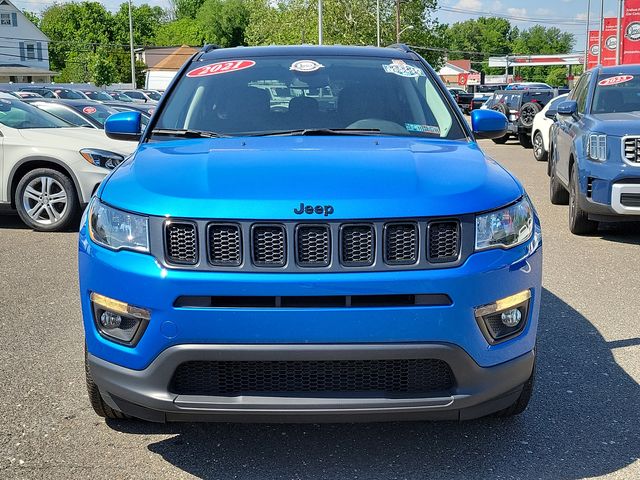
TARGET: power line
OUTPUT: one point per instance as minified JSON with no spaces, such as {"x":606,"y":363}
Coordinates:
{"x":521,"y":18}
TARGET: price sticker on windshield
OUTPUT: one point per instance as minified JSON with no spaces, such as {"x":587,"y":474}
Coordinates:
{"x":398,"y":67}
{"x":220,"y":67}
{"x":89,"y":110}
{"x":617,"y":80}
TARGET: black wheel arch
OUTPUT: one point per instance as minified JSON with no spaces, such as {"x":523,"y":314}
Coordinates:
{"x":31,"y":163}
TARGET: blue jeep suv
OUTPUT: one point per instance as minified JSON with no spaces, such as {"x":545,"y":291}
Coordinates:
{"x":594,"y":165}
{"x":309,"y":233}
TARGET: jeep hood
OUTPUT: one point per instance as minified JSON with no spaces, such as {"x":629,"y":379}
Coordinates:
{"x":265,"y":178}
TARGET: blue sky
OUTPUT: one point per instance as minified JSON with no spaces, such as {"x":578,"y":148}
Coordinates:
{"x":568,"y":15}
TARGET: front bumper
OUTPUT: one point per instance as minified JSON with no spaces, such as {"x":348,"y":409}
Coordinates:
{"x":144,"y":393}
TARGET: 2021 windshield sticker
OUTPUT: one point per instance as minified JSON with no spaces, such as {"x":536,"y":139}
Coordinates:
{"x":218,"y":68}
{"x":617,"y":80}
{"x":305,"y":66}
{"x":89,"y":110}
{"x":398,"y":67}
{"x":415,"y":127}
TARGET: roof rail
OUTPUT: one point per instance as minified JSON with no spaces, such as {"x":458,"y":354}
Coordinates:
{"x":210,"y":46}
{"x":401,"y":46}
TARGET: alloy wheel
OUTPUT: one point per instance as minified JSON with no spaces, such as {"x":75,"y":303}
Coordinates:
{"x":45,"y":200}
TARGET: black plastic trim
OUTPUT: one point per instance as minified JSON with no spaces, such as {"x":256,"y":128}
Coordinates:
{"x":166,"y":225}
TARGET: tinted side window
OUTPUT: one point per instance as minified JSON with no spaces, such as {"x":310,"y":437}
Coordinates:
{"x":581,"y":93}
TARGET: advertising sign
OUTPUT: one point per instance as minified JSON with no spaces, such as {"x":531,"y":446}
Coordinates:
{"x":609,"y":42}
{"x":592,"y":58}
{"x":631,"y":32}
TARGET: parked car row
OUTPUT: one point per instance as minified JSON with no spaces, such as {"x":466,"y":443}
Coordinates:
{"x":51,"y":162}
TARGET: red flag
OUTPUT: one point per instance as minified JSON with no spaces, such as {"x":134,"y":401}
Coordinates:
{"x":592,"y":54}
{"x":609,"y":43}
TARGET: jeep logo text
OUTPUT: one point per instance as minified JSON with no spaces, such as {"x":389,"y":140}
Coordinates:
{"x":310,"y":209}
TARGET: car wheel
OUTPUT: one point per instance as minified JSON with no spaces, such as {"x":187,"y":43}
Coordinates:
{"x":539,"y":152}
{"x":528,"y":111}
{"x":46,"y":200}
{"x":520,"y":405}
{"x":579,"y":222}
{"x":525,"y":140}
{"x":557,"y":193}
{"x":101,"y":408}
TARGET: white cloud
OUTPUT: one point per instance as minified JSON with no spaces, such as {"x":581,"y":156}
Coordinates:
{"x":517,"y":12}
{"x":581,"y":16}
{"x":469,"y":4}
{"x":543,"y":11}
{"x":496,"y":6}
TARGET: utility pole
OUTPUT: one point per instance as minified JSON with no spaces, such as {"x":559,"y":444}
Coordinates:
{"x":586,"y":48}
{"x":601,"y":33}
{"x":319,"y":22}
{"x":397,"y":21}
{"x":378,"y":22}
{"x":133,"y":59}
{"x":619,"y":33}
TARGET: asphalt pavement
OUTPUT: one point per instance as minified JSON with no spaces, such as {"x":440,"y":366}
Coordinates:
{"x":583,"y":422}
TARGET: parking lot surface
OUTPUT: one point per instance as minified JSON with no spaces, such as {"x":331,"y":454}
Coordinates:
{"x":583,"y":422}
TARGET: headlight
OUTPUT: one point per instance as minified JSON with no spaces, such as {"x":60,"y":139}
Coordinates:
{"x":116,"y":229}
{"x":597,"y":147}
{"x":102,"y":158}
{"x":505,"y":228}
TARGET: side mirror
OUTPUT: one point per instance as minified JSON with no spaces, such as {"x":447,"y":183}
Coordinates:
{"x":488,"y":124}
{"x":568,"y":108}
{"x":124,"y":126}
{"x":551,"y":114}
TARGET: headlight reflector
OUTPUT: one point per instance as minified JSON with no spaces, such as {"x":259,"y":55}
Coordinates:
{"x":505,"y":228}
{"x":115,"y":229}
{"x":102,"y":158}
{"x":597,"y":147}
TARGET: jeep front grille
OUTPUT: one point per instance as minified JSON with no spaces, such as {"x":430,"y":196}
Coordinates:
{"x":181,"y":241}
{"x":306,"y":246}
{"x":631,"y":149}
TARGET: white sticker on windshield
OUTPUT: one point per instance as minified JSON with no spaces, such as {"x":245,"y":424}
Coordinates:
{"x":607,"y":82}
{"x":305,"y":66}
{"x":415,"y":127}
{"x":398,"y":67}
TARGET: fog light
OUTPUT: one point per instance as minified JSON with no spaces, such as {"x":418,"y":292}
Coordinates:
{"x":511,"y":318}
{"x":505,"y":318}
{"x":119,"y":321}
{"x":110,"y":320}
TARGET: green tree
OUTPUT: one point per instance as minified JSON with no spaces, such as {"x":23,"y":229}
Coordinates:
{"x":187,"y":8}
{"x":103,"y":69}
{"x":184,"y":31}
{"x":33,"y":17}
{"x":146,"y":21}
{"x":224,"y":22}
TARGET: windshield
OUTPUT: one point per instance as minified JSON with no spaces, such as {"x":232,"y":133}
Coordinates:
{"x":98,"y":113}
{"x":153,"y":95}
{"x":101,"y":96}
{"x":616,"y":93}
{"x":17,"y":114}
{"x":65,"y":113}
{"x":267,"y":95}
{"x":70,"y":94}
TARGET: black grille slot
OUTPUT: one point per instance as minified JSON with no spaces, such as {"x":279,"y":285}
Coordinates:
{"x":225,"y":244}
{"x":358,"y":244}
{"x":444,"y":242}
{"x":632,"y":149}
{"x":269,"y":245}
{"x":630,"y":199}
{"x":403,"y":376}
{"x":401,"y":243}
{"x":181,"y":242}
{"x":313,"y":247}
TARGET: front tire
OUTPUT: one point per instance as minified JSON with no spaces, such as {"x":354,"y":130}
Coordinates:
{"x":98,"y":404}
{"x":525,"y":140}
{"x":579,"y":223}
{"x":46,"y":200}
{"x":539,"y":152}
{"x":557,"y":193}
{"x":520,"y":405}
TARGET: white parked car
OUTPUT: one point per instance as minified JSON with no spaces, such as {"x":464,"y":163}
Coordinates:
{"x":48,"y":169}
{"x":542,"y":125}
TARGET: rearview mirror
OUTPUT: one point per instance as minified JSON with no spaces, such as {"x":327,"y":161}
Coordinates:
{"x":551,"y":114}
{"x":124,"y":126}
{"x":488,"y":124}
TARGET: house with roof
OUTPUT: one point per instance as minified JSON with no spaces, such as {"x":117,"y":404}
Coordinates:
{"x":163,"y":63}
{"x":454,"y":70}
{"x":24,"y":52}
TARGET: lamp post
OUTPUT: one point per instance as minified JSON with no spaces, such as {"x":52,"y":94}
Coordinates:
{"x":408,"y":27}
{"x":133,"y":60}
{"x":601,"y":33}
{"x":378,"y":22}
{"x":586,"y":48}
{"x":619,"y":33}
{"x":319,"y":22}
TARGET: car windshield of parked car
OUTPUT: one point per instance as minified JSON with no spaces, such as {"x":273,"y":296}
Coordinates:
{"x":616,"y":93}
{"x":69,"y":94}
{"x":67,"y":114}
{"x":153,"y":95}
{"x":17,"y":114}
{"x":100,"y":96}
{"x":310,"y":95}
{"x":98,"y":113}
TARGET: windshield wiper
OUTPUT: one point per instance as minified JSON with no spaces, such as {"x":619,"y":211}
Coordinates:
{"x":320,"y":132}
{"x":187,"y":133}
